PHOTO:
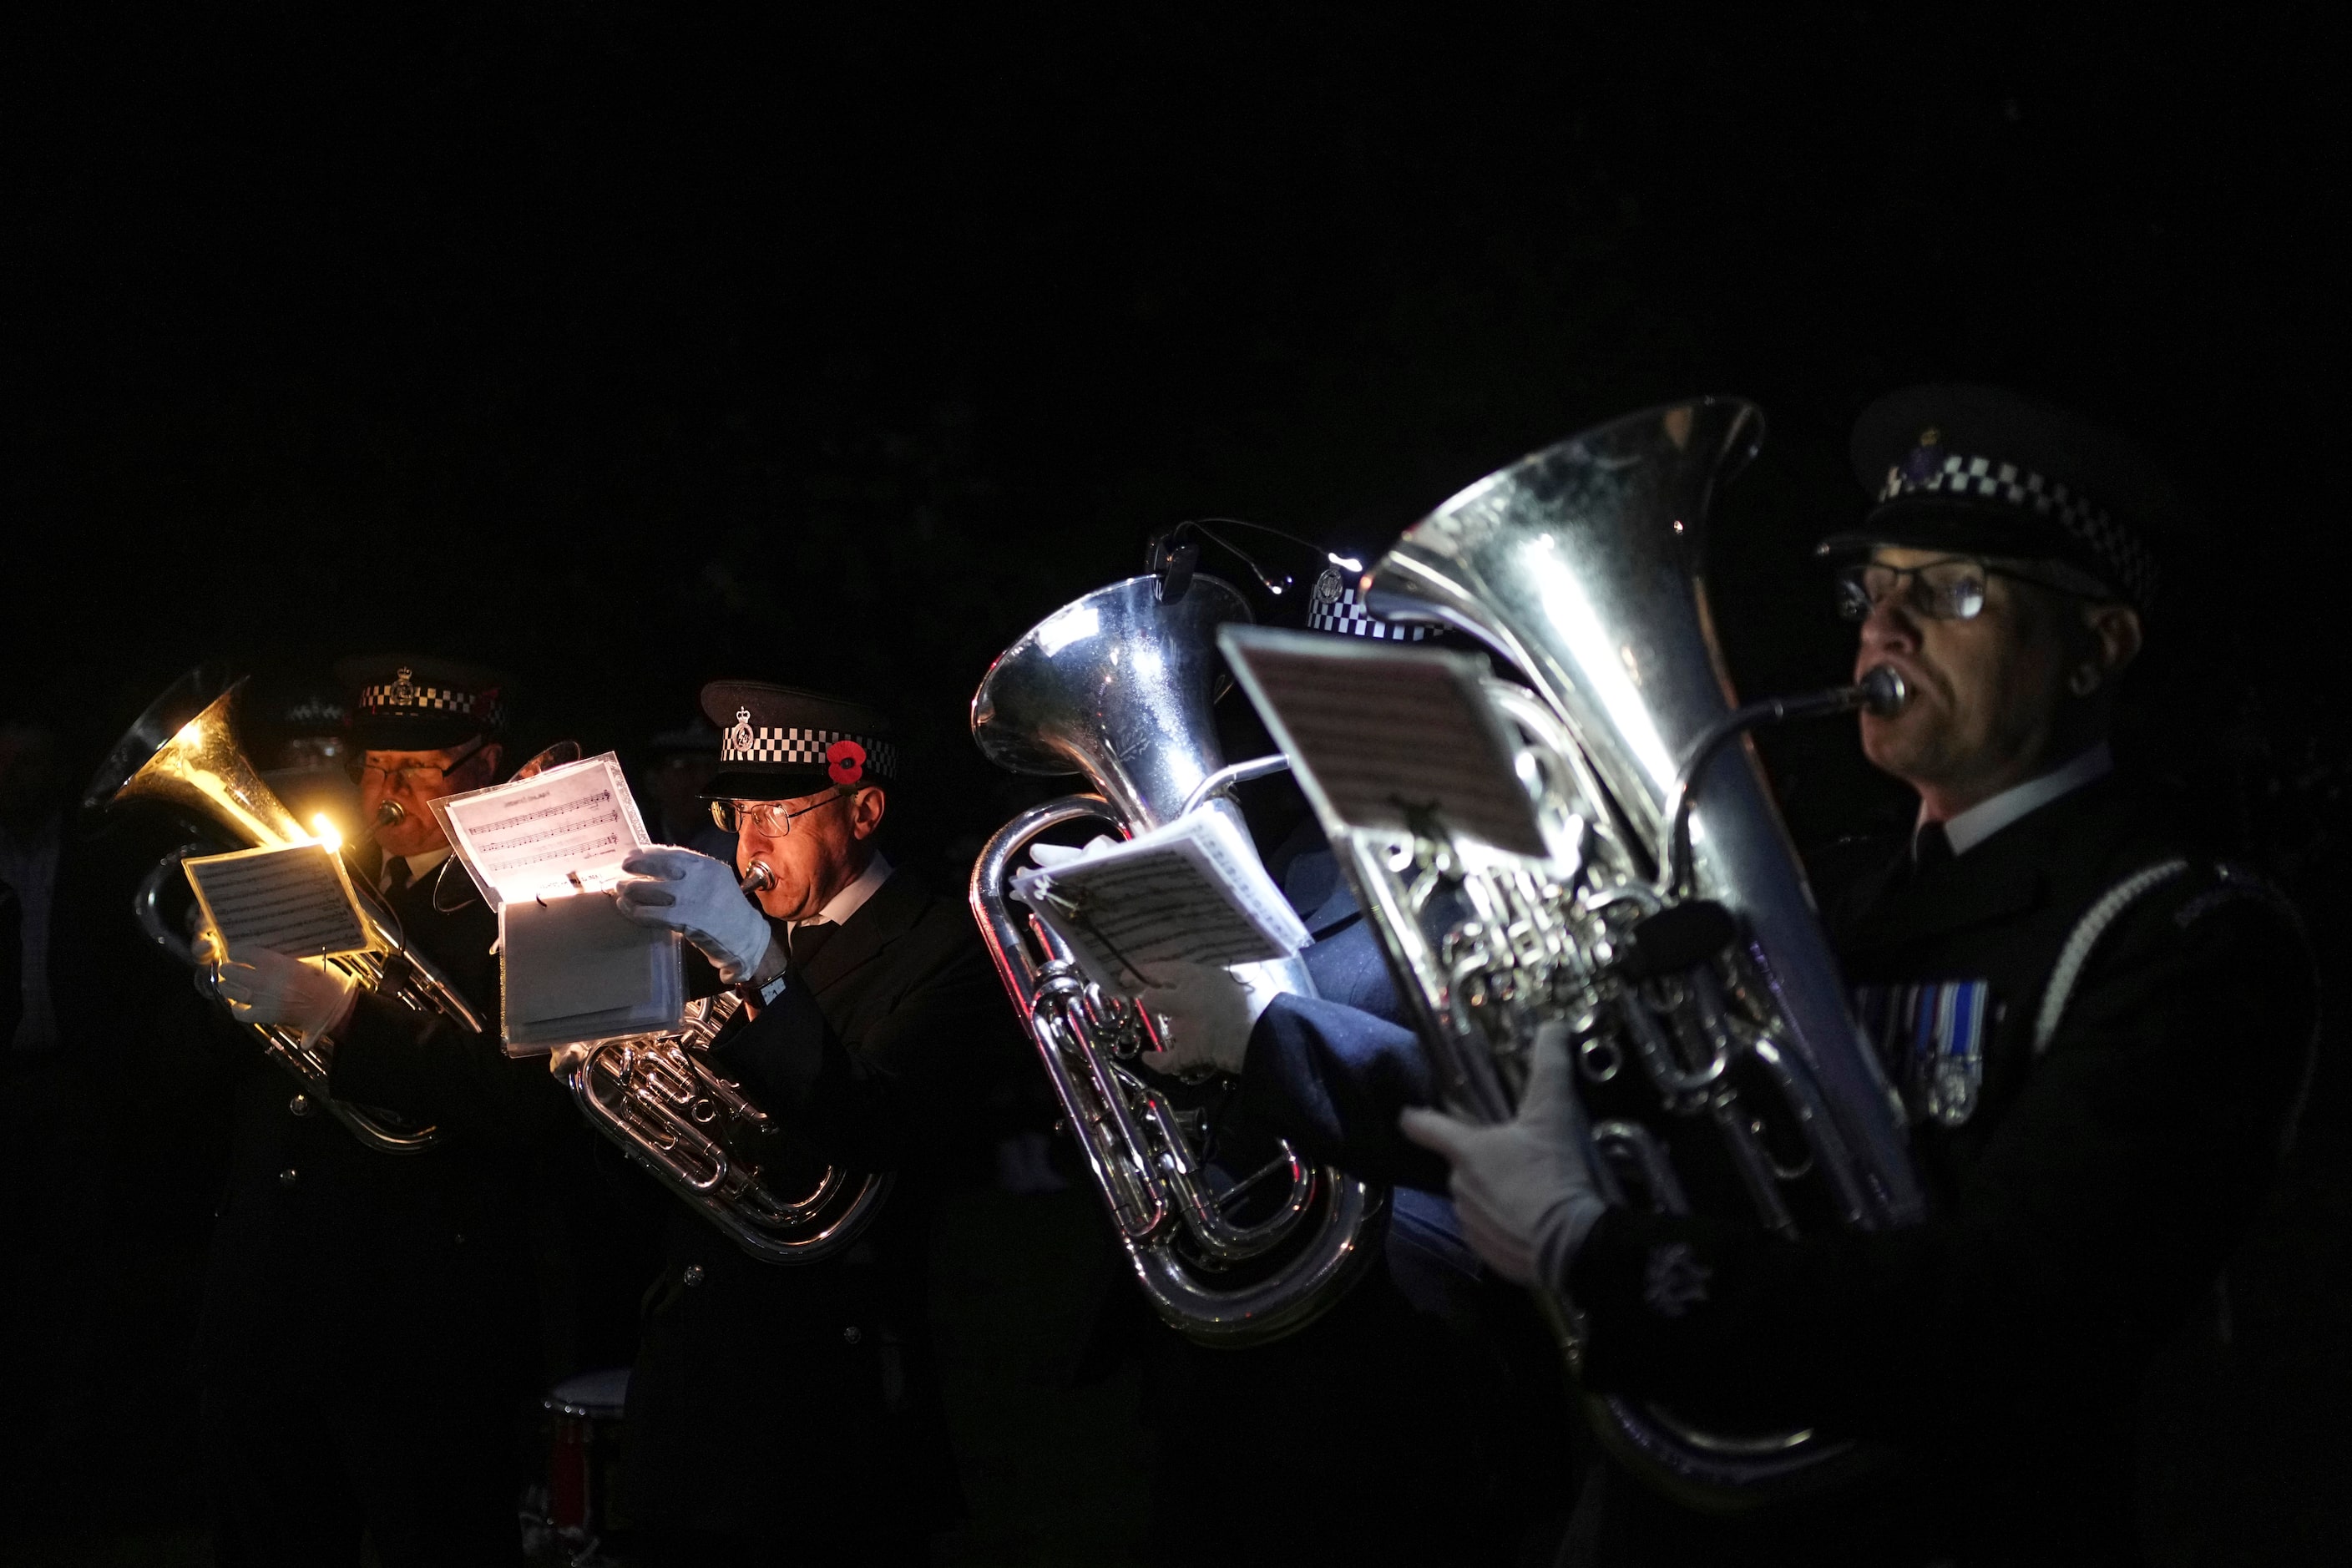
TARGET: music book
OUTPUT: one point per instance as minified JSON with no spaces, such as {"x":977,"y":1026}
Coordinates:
{"x":1389,"y":738}
{"x":296,"y":901}
{"x":546,"y":852}
{"x":1190,"y":892}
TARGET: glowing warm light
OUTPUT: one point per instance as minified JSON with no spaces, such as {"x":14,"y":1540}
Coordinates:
{"x":325,"y":830}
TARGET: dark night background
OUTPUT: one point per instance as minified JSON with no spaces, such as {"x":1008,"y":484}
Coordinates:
{"x":625,"y":348}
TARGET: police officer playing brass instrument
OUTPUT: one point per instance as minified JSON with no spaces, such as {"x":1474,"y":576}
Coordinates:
{"x":790,"y":1411}
{"x":370,"y":1324}
{"x":2097,"y":1031}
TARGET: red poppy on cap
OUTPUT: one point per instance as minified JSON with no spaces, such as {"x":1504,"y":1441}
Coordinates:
{"x":846,"y":760}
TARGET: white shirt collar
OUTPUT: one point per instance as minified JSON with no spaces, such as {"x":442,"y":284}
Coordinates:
{"x":850,"y":899}
{"x":419,"y":868}
{"x":1987,"y":818}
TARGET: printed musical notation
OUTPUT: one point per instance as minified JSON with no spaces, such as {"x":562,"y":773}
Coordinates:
{"x":290,"y":900}
{"x":1437,"y":757}
{"x":1191,"y":892}
{"x":567,"y":827}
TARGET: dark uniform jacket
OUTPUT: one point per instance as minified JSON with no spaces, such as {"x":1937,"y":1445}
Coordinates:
{"x":372,"y":1313}
{"x":788,"y":1401}
{"x":2083,"y":1197}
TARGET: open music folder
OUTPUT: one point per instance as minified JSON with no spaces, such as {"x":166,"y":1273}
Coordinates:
{"x":1389,"y":738}
{"x":1190,"y":892}
{"x":546,"y":852}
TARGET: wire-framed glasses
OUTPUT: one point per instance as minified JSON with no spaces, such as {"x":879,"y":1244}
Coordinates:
{"x":416,"y":777}
{"x":769,"y":818}
{"x":1952,"y":589}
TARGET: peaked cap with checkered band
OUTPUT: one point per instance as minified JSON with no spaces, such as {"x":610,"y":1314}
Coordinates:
{"x":414,"y":702}
{"x":1980,"y":471}
{"x":780,"y":742}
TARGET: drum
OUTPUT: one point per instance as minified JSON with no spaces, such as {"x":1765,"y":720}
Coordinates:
{"x":583,"y":1460}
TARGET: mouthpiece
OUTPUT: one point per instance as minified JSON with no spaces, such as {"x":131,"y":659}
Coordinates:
{"x":759,"y":878}
{"x":1884,"y":691}
{"x":390,"y":812}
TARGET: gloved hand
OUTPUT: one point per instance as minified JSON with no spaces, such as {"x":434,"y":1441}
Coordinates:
{"x":701,"y":897}
{"x":292,"y":993}
{"x":1525,"y":1194}
{"x":1204,"y":1014}
{"x":1046,"y":857}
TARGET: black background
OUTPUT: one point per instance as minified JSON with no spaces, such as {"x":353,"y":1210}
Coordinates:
{"x":628,"y":346}
{"x":625,"y":348}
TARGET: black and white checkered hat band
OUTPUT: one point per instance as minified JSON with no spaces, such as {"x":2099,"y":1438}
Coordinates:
{"x":2126,"y":560}
{"x":1345,"y":616}
{"x":802,"y":748}
{"x":406,"y":697}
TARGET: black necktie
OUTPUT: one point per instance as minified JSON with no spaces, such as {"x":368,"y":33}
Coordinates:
{"x":395,"y":874}
{"x":1931,"y":846}
{"x":806,"y":940}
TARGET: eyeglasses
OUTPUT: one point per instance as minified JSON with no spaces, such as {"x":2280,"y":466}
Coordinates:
{"x":769,"y":818}
{"x":419,"y":777}
{"x":1952,"y":589}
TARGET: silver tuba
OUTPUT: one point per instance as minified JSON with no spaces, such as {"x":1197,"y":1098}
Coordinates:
{"x":1670,"y":933}
{"x":182,"y":753}
{"x":1117,"y":687}
{"x":669,"y":1107}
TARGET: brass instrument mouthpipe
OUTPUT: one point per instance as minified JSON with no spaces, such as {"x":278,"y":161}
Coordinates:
{"x":759,"y":878}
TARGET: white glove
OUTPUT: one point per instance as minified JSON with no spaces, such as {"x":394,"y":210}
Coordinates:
{"x":1203,"y":1015}
{"x":701,"y":897}
{"x":1526,"y":1197}
{"x":1046,"y":857}
{"x":291,"y":993}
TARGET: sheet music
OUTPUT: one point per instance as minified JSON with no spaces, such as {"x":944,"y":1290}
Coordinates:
{"x":575,"y":968}
{"x":293,"y":900}
{"x":1390,"y":736}
{"x":1190,"y":892}
{"x":568,"y":828}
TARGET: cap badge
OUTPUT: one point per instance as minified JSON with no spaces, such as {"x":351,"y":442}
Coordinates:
{"x":738,"y":739}
{"x":403,"y":693}
{"x":845,"y":761}
{"x":1327,"y":586}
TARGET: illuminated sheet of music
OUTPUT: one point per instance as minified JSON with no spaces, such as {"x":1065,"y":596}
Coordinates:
{"x":546,"y":851}
{"x":294,"y":900}
{"x":1393,"y":738}
{"x":1190,"y":892}
{"x":566,"y":829}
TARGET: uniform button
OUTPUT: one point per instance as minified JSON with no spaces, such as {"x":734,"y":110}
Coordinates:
{"x":851,"y":1335}
{"x":289,"y":1176}
{"x":300,"y":1105}
{"x":694,"y":1274}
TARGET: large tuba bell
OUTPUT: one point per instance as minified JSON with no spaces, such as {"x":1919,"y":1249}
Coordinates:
{"x":183,"y":753}
{"x":1117,"y":687}
{"x":661,"y":1099}
{"x":1673,"y":937}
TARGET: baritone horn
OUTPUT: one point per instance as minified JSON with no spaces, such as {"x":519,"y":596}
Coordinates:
{"x":1117,"y":687}
{"x":662,"y":1100}
{"x":183,"y":753}
{"x":1667,"y":928}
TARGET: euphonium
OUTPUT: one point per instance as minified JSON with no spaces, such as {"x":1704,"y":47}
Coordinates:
{"x":1117,"y":687}
{"x":1672,"y":934}
{"x":661,"y":1098}
{"x":182,"y":753}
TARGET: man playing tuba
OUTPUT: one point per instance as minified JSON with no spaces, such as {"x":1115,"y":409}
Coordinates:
{"x":2098,"y":1033}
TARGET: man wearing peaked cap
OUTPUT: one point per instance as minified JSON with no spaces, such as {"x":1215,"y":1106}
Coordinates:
{"x":791,"y":1413}
{"x":2097,"y":1030}
{"x":339,"y":1271}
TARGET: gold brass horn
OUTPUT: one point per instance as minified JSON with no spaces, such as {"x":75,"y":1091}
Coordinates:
{"x":183,"y":753}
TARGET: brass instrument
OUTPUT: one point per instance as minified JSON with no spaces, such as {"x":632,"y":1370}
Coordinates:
{"x":661,"y":1098}
{"x":1117,"y":687}
{"x":1671,"y":933}
{"x":182,"y":753}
